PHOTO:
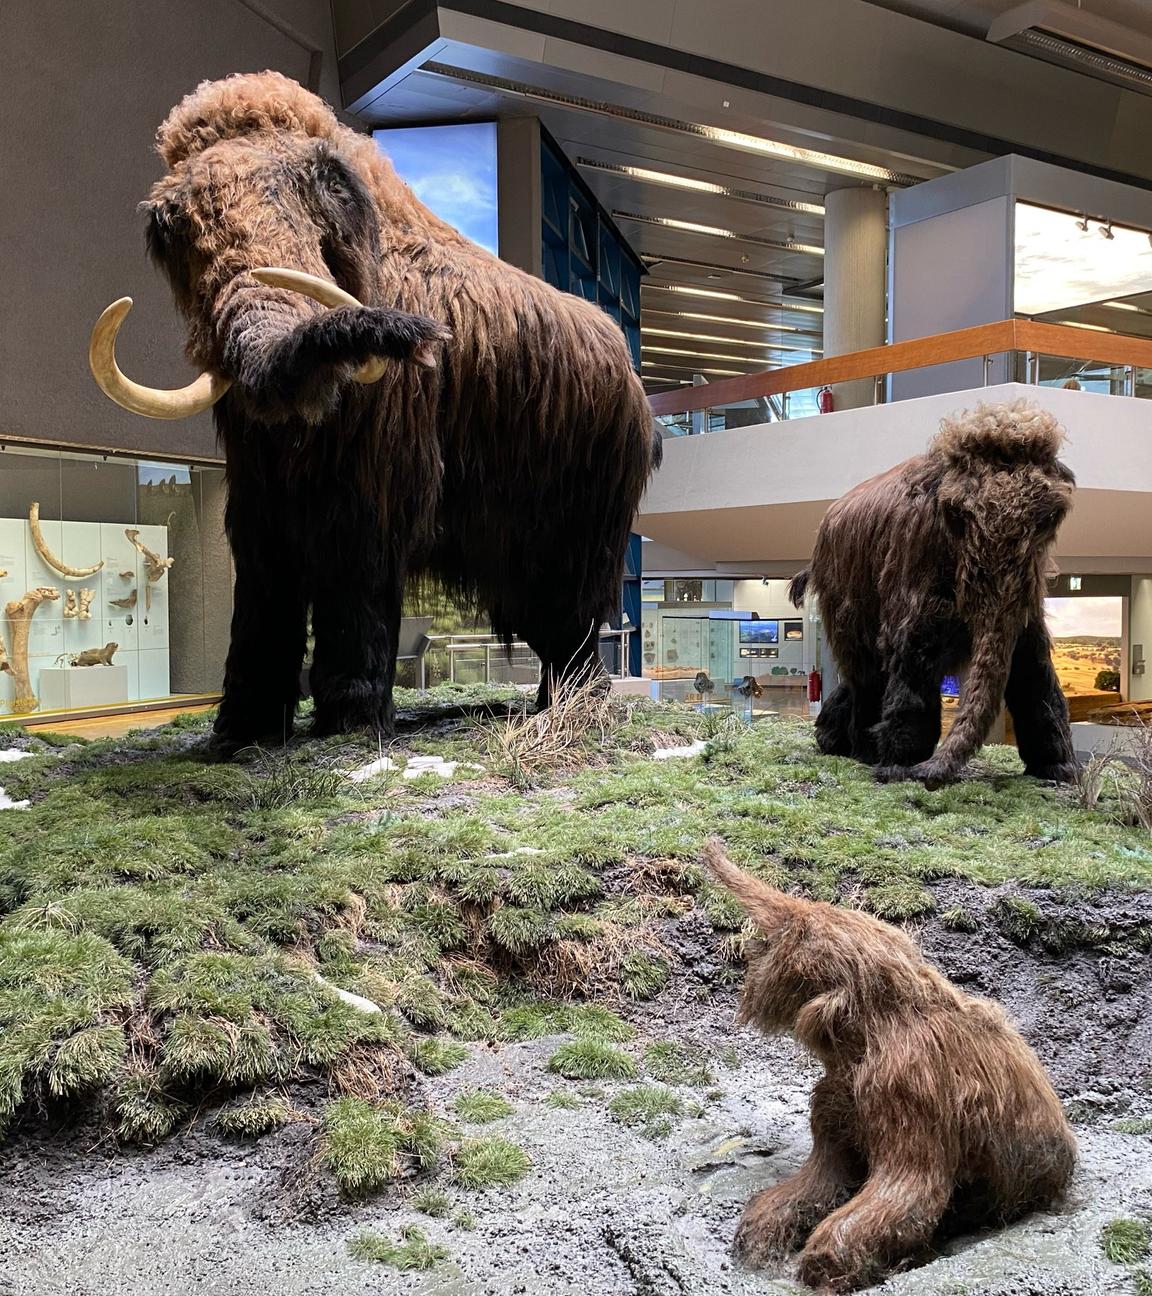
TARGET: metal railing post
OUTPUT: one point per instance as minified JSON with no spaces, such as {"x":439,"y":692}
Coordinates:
{"x":878,"y":389}
{"x":987,"y":370}
{"x":1130,"y":380}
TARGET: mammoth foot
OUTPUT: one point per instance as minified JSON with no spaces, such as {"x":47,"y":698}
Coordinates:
{"x":1063,"y":772}
{"x":934,"y":773}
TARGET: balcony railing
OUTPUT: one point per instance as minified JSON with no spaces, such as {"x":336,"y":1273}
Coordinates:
{"x":1051,"y":355}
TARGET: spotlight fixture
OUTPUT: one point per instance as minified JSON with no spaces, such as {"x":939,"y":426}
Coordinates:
{"x":715,"y":231}
{"x":1082,"y":223}
{"x":648,"y":176}
{"x":1106,"y":230}
{"x":714,"y":134}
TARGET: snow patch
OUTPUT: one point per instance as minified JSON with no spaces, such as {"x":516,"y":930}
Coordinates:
{"x":674,"y":753}
{"x":357,"y":1001}
{"x":379,"y":766}
{"x":14,"y":754}
{"x":418,"y":765}
{"x":6,"y":802}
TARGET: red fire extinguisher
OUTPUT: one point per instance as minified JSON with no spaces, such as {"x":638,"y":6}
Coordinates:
{"x":825,"y":403}
{"x":815,"y":686}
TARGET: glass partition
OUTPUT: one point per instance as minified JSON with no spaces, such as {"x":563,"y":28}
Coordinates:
{"x":115,"y":582}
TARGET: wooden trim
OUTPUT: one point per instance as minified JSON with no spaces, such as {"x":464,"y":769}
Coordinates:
{"x":177,"y":702}
{"x":20,"y":442}
{"x":898,"y":357}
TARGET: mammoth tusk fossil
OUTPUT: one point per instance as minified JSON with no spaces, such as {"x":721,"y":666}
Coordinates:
{"x":327,"y":294}
{"x":73,"y":573}
{"x":151,"y":401}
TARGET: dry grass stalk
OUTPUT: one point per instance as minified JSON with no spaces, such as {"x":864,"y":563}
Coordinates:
{"x":582,"y":713}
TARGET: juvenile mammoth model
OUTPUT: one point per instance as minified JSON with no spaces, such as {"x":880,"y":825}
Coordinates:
{"x":938,"y":565}
{"x":930,"y":1102}
{"x":504,"y":452}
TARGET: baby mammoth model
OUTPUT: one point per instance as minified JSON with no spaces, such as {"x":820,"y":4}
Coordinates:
{"x":937,"y":565}
{"x":930,"y":1102}
{"x":504,"y":453}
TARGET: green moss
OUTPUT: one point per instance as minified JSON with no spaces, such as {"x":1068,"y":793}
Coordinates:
{"x":592,"y":1059}
{"x":562,"y":1100}
{"x":1016,"y":918}
{"x":480,"y":1106}
{"x":1126,"y":1241}
{"x":673,"y":1063}
{"x":484,"y":1162}
{"x":899,"y":901}
{"x":1132,"y":1125}
{"x":650,"y":1108}
{"x":412,"y":1252}
{"x":959,"y":919}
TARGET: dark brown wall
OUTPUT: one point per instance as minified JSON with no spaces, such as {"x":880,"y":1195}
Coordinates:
{"x":84,"y":86}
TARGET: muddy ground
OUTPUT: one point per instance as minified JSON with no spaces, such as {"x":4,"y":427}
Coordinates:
{"x":606,"y":1211}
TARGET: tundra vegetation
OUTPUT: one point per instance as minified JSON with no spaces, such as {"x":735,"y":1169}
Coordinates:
{"x":173,"y":933}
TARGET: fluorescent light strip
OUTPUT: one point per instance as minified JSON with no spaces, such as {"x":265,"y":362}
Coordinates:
{"x":688,"y":291}
{"x":723,"y":373}
{"x":715,"y":134}
{"x":778,"y":281}
{"x":649,"y":176}
{"x":706,"y":337}
{"x":765,"y":326}
{"x":1127,"y":306}
{"x":702,"y":355}
{"x":716,"y":231}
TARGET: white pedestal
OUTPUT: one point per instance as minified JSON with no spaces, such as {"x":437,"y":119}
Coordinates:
{"x":65,"y":687}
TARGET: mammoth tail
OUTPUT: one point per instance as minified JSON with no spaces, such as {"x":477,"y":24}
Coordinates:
{"x":765,"y":905}
{"x":798,"y":586}
{"x":1016,"y":432}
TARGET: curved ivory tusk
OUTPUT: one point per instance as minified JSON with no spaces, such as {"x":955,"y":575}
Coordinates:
{"x":151,"y":401}
{"x":327,"y":294}
{"x":50,"y":559}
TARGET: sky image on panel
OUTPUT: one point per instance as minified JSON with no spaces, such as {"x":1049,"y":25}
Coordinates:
{"x":452,"y":169}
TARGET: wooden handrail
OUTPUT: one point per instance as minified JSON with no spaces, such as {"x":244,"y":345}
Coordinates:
{"x":898,"y":357}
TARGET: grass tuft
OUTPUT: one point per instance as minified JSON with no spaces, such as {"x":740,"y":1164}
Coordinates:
{"x":412,"y":1252}
{"x":433,"y":1202}
{"x":436,"y":1057}
{"x":682,"y":1064}
{"x":1126,"y":1241}
{"x":366,"y":1145}
{"x":487,"y":1161}
{"x":650,"y":1108}
{"x":592,"y":1059}
{"x":251,"y":1120}
{"x":481,"y":1107}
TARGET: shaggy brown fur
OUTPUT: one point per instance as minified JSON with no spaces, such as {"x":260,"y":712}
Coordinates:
{"x":937,"y":565}
{"x":930,"y":1103}
{"x":511,"y":471}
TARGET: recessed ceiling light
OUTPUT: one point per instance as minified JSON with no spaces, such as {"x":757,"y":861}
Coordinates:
{"x":688,"y":291}
{"x":716,"y":134}
{"x":1127,"y":306}
{"x":1092,"y":328}
{"x":716,"y":231}
{"x":647,"y":331}
{"x":648,"y":176}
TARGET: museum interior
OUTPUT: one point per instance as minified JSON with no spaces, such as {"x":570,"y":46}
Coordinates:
{"x":815,"y":247}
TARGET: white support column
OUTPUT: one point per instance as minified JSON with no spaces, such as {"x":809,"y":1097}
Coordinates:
{"x":855,"y":280}
{"x":1139,"y":640}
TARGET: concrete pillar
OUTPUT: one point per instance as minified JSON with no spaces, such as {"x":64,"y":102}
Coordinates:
{"x":1139,"y":640}
{"x":855,"y":280}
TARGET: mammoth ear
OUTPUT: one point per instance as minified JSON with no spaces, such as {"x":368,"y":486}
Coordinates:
{"x":167,"y":231}
{"x":825,"y":1020}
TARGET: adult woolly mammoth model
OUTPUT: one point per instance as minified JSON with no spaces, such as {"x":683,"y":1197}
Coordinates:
{"x":507,"y":459}
{"x":930,"y":1101}
{"x":937,"y":565}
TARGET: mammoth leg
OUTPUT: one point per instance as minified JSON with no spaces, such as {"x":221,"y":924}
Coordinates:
{"x":980,"y":702}
{"x":356,"y":622}
{"x":777,"y":1220}
{"x":269,"y":619}
{"x":568,"y":650}
{"x":834,"y":723}
{"x":1038,"y":707}
{"x":909,"y":728}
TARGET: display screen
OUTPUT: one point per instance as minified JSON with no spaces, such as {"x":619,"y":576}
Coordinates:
{"x":759,"y":632}
{"x":793,"y":631}
{"x":452,"y":170}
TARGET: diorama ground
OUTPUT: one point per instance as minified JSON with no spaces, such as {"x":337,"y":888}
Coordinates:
{"x":457,"y":1016}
